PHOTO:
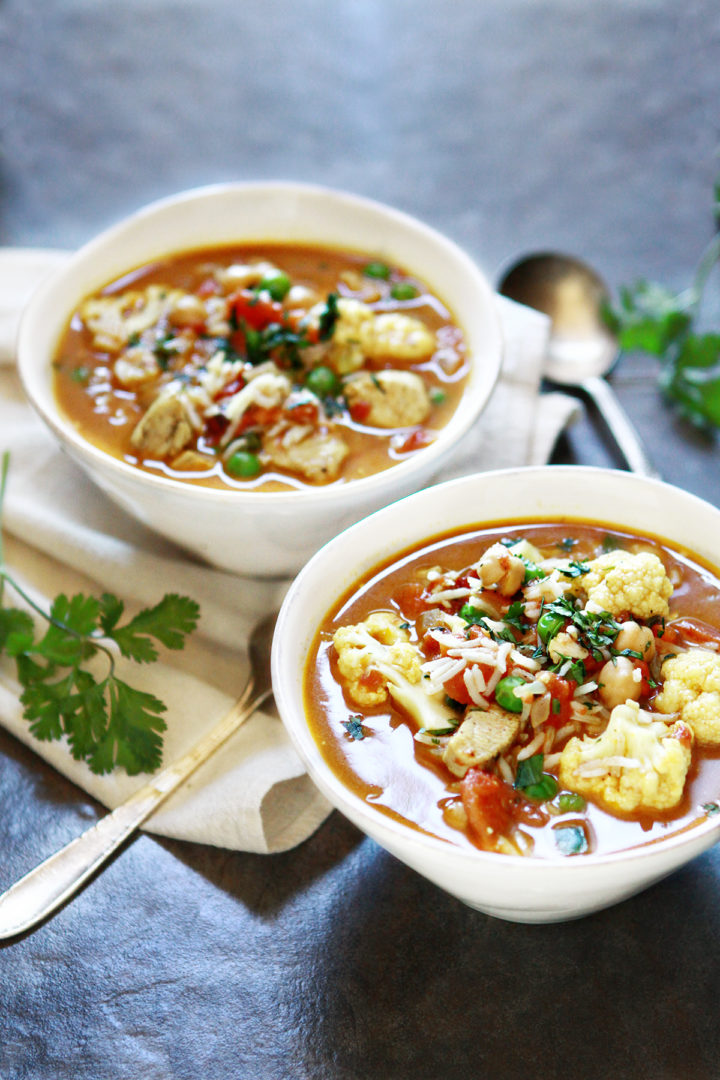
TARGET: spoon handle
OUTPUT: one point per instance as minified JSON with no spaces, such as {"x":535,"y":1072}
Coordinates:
{"x":42,"y":890}
{"x":620,"y":425}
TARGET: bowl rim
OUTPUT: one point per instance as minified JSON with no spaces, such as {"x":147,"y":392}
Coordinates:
{"x":377,"y":484}
{"x":372,"y":820}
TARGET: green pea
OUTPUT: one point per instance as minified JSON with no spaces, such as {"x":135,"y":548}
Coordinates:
{"x":321,"y":380}
{"x":377,"y":270}
{"x":243,"y":463}
{"x":277,"y":284}
{"x":570,"y":802}
{"x":549,"y":625}
{"x":504,"y":695}
{"x":403,"y":290}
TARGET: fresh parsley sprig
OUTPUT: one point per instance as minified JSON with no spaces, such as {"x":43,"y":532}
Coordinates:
{"x":652,"y":319}
{"x":107,"y":722}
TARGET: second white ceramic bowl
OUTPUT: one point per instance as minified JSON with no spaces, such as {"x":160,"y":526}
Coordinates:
{"x":260,"y":533}
{"x":512,"y":887}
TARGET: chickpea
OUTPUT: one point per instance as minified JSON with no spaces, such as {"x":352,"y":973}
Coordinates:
{"x":618,"y":682}
{"x":187,"y":310}
{"x":500,"y":568}
{"x":638,"y":638}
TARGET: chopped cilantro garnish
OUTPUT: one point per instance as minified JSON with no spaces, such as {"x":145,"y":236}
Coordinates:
{"x":328,"y":317}
{"x":575,"y":569}
{"x":354,"y":728}
{"x":570,"y":839}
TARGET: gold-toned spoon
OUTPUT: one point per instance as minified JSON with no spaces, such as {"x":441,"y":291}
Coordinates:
{"x":581,"y":349}
{"x":44,"y":889}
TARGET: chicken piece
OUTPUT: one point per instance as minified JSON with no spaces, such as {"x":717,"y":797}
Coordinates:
{"x":192,"y":461}
{"x":396,"y":398}
{"x":480,"y":738}
{"x":164,"y":430}
{"x":315,"y":453}
{"x":113,"y":320}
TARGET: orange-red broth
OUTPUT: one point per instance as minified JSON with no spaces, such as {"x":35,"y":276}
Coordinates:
{"x":106,"y":413}
{"x":397,"y":775}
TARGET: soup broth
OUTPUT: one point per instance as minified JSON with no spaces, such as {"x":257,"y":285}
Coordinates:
{"x":545,"y":689}
{"x":262,"y":366}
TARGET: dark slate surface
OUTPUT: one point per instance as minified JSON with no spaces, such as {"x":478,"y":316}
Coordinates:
{"x":512,"y":125}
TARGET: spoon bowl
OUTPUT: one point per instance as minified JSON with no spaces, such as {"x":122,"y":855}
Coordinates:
{"x":581,"y":350}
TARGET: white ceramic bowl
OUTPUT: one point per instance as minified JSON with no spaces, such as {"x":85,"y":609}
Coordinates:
{"x":262,"y":533}
{"x":511,"y":887}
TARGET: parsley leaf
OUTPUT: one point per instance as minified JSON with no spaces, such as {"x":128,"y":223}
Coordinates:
{"x":652,"y":319}
{"x":106,"y":721}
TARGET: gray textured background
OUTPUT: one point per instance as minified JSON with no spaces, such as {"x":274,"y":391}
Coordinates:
{"x":511,"y":125}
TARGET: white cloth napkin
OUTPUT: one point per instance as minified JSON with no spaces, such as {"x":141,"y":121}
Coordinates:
{"x":63,"y":535}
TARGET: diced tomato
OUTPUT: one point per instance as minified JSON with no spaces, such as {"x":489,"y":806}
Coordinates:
{"x":693,"y":630}
{"x":230,"y":388}
{"x":360,"y":410}
{"x":258,"y":416}
{"x":215,"y":428}
{"x":306,"y":413}
{"x":561,"y":692}
{"x":683,"y":733}
{"x":416,"y":440}
{"x":409,"y":598}
{"x":456,"y":689}
{"x":489,"y":803}
{"x":371,"y":679}
{"x":255,"y":310}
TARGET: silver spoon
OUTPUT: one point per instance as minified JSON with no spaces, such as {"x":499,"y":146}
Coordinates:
{"x":581,"y":350}
{"x":44,"y":889}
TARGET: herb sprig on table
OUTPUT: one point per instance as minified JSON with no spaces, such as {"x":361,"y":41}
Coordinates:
{"x":652,"y":319}
{"x":107,"y":722}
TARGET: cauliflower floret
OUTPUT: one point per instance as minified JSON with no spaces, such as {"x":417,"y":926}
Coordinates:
{"x":353,"y":330}
{"x":620,"y":581}
{"x":400,"y":337}
{"x":381,"y":644}
{"x":396,"y":398}
{"x":359,"y":335}
{"x":692,"y":689}
{"x":480,"y":738}
{"x":636,"y":764}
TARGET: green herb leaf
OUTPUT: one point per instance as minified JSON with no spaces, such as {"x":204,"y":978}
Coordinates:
{"x":354,"y":728}
{"x":107,"y":722}
{"x":652,"y":319}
